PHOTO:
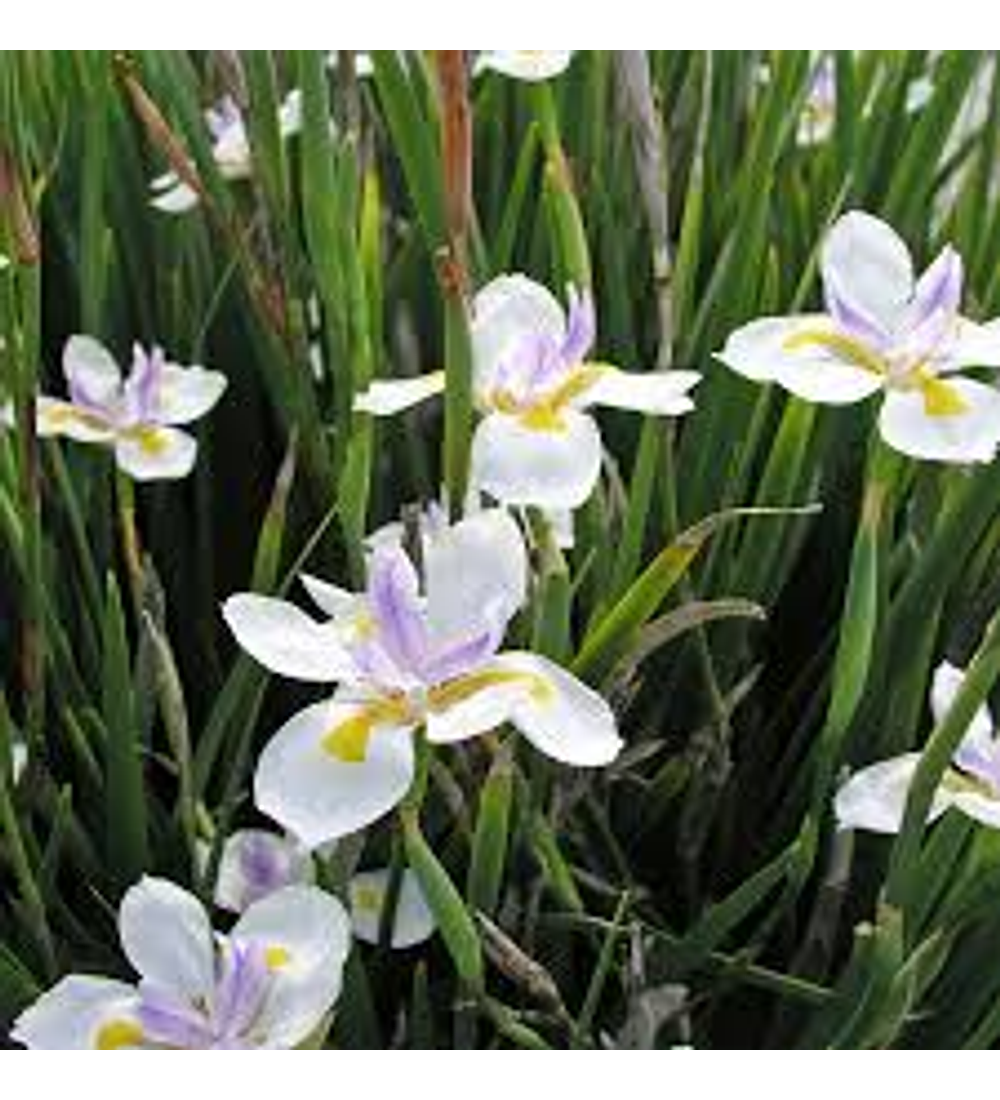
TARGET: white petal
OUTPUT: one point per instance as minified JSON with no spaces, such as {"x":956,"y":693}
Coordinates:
{"x":290,"y":113}
{"x":562,"y":527}
{"x":918,"y":93}
{"x":870,"y":266}
{"x":475,"y":568}
{"x":517,"y":465}
{"x":528,"y":65}
{"x":156,"y":454}
{"x":976,"y":345}
{"x":92,"y":370}
{"x":312,"y":936}
{"x":257,"y":862}
{"x":969,"y":436}
{"x":760,"y":351}
{"x":62,"y":418}
{"x":659,"y":393}
{"x":187,"y":393}
{"x":386,"y":397}
{"x":316,"y":795}
{"x":562,"y":718}
{"x":71,"y":1014}
{"x":506,"y":310}
{"x":874,"y":798}
{"x":331,"y":599}
{"x":177,"y":200}
{"x":413,"y":921}
{"x":980,"y":807}
{"x":286,"y":640}
{"x":486,"y":706}
{"x":167,"y":937}
{"x":18,"y":759}
{"x":944,"y":688}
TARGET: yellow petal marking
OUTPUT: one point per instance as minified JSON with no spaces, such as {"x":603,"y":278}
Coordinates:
{"x":368,"y":898}
{"x":348,"y":740}
{"x":941,"y":398}
{"x":118,"y":1034}
{"x":546,"y":413}
{"x":61,"y":413}
{"x":151,"y":440}
{"x":277,"y":956}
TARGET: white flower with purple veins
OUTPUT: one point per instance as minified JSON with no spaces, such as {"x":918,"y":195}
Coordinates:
{"x":531,"y":66}
{"x":874,"y":798}
{"x":885,"y":331}
{"x":230,"y":150}
{"x":406,"y":656}
{"x":138,"y":417}
{"x":536,"y":443}
{"x":269,"y":983}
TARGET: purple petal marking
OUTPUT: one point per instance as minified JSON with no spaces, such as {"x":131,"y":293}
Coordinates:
{"x":142,"y":390}
{"x":462,"y":657}
{"x":939,"y":289}
{"x":241,"y":990}
{"x":225,"y":114}
{"x":851,"y":319}
{"x":581,"y":328}
{"x":822,"y":94}
{"x":982,"y":761}
{"x":393,"y":589}
{"x":265,"y":867}
{"x":80,"y":396}
{"x":168,"y":1021}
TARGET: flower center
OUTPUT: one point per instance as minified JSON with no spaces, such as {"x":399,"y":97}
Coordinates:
{"x":118,"y":1034}
{"x":543,"y":412}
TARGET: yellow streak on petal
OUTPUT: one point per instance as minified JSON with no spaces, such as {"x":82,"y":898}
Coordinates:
{"x":459,"y":690}
{"x":545,"y":415}
{"x":348,"y":740}
{"x":844,"y":347}
{"x":151,"y":440}
{"x":118,"y":1034}
{"x":941,"y":398}
{"x":277,"y":956}
{"x":368,"y":898}
{"x":57,"y":415}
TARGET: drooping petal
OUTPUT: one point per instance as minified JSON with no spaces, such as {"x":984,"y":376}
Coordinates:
{"x":286,"y":640}
{"x":477,"y":565}
{"x":975,"y":345}
{"x":386,"y":397}
{"x":331,"y":770}
{"x":156,"y":453}
{"x":969,"y":434}
{"x":794,"y":352}
{"x":507,"y":311}
{"x":187,"y":393}
{"x":413,"y":921}
{"x":257,"y":862}
{"x":527,"y":65}
{"x":62,"y":418}
{"x":92,"y":373}
{"x":553,"y":468}
{"x":560,"y":715}
{"x":659,"y":393}
{"x":865,"y":263}
{"x":306,"y":937}
{"x":80,"y":1013}
{"x":874,"y":798}
{"x":167,"y":937}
